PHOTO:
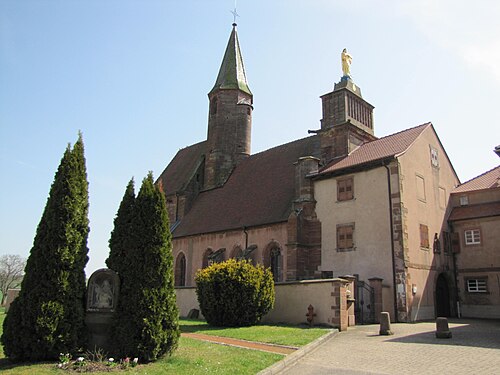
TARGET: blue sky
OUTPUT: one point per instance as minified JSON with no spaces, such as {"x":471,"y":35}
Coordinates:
{"x":133,"y":76}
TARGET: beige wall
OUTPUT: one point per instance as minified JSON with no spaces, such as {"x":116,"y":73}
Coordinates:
{"x":195,"y":246}
{"x":430,"y":208}
{"x":369,"y":211}
{"x":292,"y":301}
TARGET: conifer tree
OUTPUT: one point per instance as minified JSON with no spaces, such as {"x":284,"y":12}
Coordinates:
{"x":48,"y":316}
{"x":147,"y":324}
{"x":122,"y":236}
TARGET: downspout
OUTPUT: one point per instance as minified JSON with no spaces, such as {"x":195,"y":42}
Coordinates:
{"x":392,"y":243}
{"x":246,"y":237}
{"x":455,"y":273}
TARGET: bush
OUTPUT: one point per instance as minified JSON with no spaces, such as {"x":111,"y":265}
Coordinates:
{"x":234,"y":293}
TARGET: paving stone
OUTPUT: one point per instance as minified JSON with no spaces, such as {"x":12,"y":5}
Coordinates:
{"x":413,"y":349}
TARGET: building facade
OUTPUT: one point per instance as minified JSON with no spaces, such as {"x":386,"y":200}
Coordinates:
{"x":475,"y":223}
{"x":340,"y":202}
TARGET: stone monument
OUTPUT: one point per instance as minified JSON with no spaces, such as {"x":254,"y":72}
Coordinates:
{"x":102,"y":300}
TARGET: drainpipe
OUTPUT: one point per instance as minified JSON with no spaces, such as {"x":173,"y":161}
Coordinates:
{"x":392,"y":243}
{"x":455,"y":273}
{"x":246,"y":237}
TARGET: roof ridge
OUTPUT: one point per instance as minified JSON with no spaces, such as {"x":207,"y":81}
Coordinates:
{"x":283,"y":145}
{"x":402,"y":131}
{"x":479,"y":176}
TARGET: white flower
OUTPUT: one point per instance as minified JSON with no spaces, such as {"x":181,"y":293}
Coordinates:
{"x":59,"y":365}
{"x":111,"y":359}
{"x":80,"y":359}
{"x":136,"y":360}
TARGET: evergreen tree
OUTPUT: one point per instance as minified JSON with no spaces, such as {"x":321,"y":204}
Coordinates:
{"x":147,"y":323}
{"x":121,"y":238}
{"x":48,"y":316}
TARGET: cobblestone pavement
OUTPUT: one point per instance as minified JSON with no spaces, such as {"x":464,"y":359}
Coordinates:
{"x":413,"y":349}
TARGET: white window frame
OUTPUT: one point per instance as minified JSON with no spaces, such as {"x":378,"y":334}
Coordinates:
{"x":477,"y":285}
{"x":472,"y":237}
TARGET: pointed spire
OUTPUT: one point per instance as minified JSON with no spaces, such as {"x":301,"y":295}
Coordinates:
{"x":232,"y":71}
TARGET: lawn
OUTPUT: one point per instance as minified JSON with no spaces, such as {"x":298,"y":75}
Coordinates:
{"x":199,"y":357}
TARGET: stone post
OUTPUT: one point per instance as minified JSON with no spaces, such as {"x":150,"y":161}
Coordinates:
{"x":351,"y":316}
{"x":442,"y":329}
{"x":376,"y":284}
{"x":339,"y":304}
{"x":385,"y":324}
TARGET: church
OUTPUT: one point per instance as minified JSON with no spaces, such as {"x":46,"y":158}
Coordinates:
{"x":339,"y":201}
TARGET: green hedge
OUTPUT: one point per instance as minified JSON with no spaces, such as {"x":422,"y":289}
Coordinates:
{"x":234,"y":293}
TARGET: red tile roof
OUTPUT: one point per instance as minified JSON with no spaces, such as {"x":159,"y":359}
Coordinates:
{"x":178,"y":171}
{"x":382,"y":148}
{"x":260,"y":191}
{"x":487,"y":180}
{"x":475,"y":211}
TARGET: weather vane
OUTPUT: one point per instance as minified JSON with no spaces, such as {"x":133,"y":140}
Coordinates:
{"x":235,"y":14}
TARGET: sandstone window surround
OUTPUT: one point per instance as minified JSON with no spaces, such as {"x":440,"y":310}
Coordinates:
{"x":472,"y":237}
{"x":345,"y":189}
{"x":345,"y":237}
{"x":424,"y":237}
{"x":477,"y":285}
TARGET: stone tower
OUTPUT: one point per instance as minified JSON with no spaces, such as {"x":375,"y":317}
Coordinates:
{"x":347,"y":121}
{"x":229,"y":118}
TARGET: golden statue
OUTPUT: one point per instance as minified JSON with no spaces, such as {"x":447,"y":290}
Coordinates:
{"x":346,"y":63}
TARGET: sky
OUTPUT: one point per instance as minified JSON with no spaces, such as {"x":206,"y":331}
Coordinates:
{"x":133,"y":77}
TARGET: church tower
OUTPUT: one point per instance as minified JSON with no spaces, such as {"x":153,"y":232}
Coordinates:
{"x":347,"y":118}
{"x":229,"y":118}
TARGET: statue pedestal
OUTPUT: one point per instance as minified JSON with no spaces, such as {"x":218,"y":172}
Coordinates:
{"x":99,"y":329}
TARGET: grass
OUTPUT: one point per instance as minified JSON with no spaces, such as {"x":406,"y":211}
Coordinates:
{"x":273,"y":334}
{"x":198,"y":357}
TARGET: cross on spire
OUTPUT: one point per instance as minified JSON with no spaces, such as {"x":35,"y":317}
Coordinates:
{"x":235,"y":14}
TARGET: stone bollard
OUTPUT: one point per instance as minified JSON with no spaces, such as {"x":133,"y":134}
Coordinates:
{"x":442,"y":330}
{"x":385,"y":324}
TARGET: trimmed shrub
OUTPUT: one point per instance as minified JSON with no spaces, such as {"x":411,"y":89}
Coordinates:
{"x":48,"y":316}
{"x":234,"y":293}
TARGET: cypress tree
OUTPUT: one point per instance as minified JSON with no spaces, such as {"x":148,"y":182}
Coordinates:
{"x":48,"y":316}
{"x":121,"y":236}
{"x":147,"y":323}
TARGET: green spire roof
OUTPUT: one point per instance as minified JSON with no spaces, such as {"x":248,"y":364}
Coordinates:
{"x":232,"y":71}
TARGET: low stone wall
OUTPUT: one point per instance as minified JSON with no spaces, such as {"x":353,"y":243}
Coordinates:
{"x":327,"y":296}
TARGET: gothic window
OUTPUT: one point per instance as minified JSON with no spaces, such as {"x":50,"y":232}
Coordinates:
{"x":345,"y":189}
{"x":345,"y":237}
{"x":206,"y":261}
{"x":276,"y":263}
{"x":180,"y":270}
{"x":237,"y":253}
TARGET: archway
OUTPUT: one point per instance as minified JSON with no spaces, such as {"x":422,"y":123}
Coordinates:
{"x":442,"y":296}
{"x":273,"y":259}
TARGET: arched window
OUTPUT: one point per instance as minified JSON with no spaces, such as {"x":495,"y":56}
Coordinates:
{"x":272,"y":258}
{"x":237,"y":253}
{"x":206,"y":262}
{"x":180,"y":270}
{"x":276,"y":263}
